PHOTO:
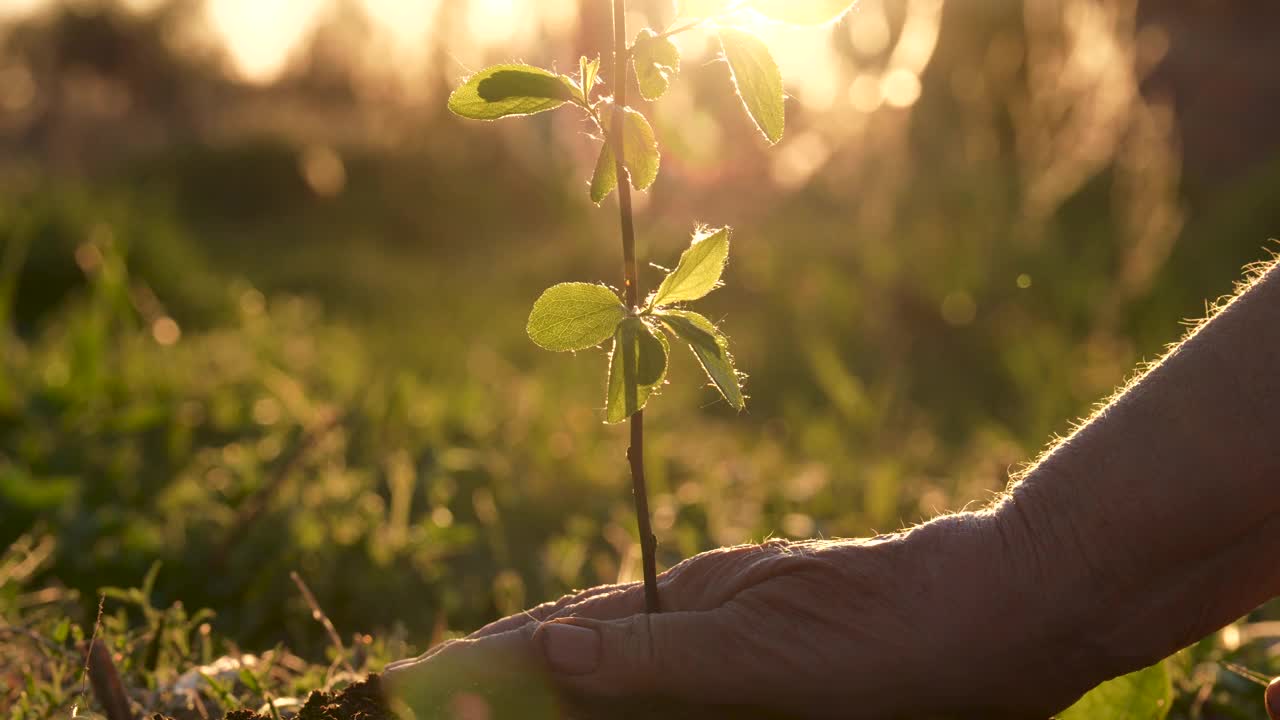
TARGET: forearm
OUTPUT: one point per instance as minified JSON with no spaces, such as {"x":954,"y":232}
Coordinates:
{"x":1157,"y":519}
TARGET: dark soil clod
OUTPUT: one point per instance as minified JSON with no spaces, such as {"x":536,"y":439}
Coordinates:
{"x":361,"y":701}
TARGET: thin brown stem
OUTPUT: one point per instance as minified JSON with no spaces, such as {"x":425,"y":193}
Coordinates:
{"x":318,"y":614}
{"x":635,"y":453}
{"x":105,"y":680}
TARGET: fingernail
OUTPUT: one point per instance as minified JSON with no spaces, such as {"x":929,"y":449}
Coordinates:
{"x":570,"y":649}
{"x":1273,"y":699}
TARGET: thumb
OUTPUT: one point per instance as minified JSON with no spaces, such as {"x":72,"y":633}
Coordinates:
{"x":691,"y":656}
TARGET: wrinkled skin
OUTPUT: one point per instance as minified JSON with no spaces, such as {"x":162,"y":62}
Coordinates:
{"x":1155,"y":523}
{"x":839,"y":629}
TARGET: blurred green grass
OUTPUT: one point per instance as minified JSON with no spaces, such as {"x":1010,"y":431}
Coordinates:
{"x":206,"y":362}
{"x":423,"y":465}
{"x":426,"y":459}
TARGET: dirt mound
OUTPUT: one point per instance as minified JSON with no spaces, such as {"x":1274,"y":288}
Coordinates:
{"x":361,"y":701}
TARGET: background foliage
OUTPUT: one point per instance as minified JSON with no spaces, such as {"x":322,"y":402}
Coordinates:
{"x":250,"y":328}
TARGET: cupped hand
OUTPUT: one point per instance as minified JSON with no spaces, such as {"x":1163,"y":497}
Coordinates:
{"x":911,"y":625}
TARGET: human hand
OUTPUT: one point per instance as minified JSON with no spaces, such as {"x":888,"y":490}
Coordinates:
{"x":928,"y":622}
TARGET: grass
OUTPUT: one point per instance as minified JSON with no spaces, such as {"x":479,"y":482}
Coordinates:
{"x":368,"y":414}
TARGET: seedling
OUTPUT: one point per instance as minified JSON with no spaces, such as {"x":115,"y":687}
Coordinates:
{"x":577,"y":316}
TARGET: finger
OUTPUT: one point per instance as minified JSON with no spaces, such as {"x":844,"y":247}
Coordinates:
{"x":551,"y":610}
{"x":624,"y":601}
{"x":698,"y":657}
{"x":397,"y":664}
{"x":500,"y":676}
{"x":606,"y":602}
{"x":1273,"y":699}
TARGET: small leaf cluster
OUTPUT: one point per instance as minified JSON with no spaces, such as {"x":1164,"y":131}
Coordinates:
{"x":515,"y":89}
{"x":578,"y":316}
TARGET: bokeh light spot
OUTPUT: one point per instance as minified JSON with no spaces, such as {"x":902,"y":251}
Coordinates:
{"x":266,"y":411}
{"x":322,"y":168}
{"x":869,"y":32}
{"x":959,"y":309}
{"x":165,"y":330}
{"x":441,"y":517}
{"x":864,"y":93}
{"x":901,"y":88}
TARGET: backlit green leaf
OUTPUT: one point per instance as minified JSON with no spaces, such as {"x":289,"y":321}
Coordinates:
{"x":758,"y":80}
{"x":605,"y":178}
{"x":711,"y":348}
{"x":641,"y":148}
{"x":643,"y":159}
{"x":803,"y":12}
{"x":1142,"y":695}
{"x":589,"y":71}
{"x":633,"y":379}
{"x":505,"y":90}
{"x":698,"y":271}
{"x":657,"y":63}
{"x":574,"y":316}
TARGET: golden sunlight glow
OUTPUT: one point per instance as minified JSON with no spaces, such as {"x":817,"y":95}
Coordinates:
{"x":261,"y":38}
{"x":900,"y":88}
{"x":19,"y":8}
{"x":408,"y":24}
{"x":869,"y":31}
{"x":864,"y":93}
{"x":494,"y":22}
{"x":261,"y":35}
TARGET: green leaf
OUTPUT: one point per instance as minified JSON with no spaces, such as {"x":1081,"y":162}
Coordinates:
{"x":250,"y":680}
{"x":698,"y":271}
{"x":1142,"y":695}
{"x":758,"y":80}
{"x":643,"y":159}
{"x":504,"y":90}
{"x":803,"y":12}
{"x":589,"y":71}
{"x":711,"y":348}
{"x":574,"y":316}
{"x":657,"y":63}
{"x":640,"y":146}
{"x":605,"y":178}
{"x":633,"y":379}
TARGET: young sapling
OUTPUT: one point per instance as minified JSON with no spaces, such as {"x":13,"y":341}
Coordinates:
{"x":578,"y":316}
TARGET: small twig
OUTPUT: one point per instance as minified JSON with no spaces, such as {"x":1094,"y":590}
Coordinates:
{"x":104,"y":677}
{"x":201,"y":710}
{"x":1247,"y":674}
{"x":93,"y":638}
{"x":318,"y":615}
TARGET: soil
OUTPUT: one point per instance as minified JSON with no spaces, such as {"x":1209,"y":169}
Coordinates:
{"x":361,"y":701}
{"x":364,"y":701}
